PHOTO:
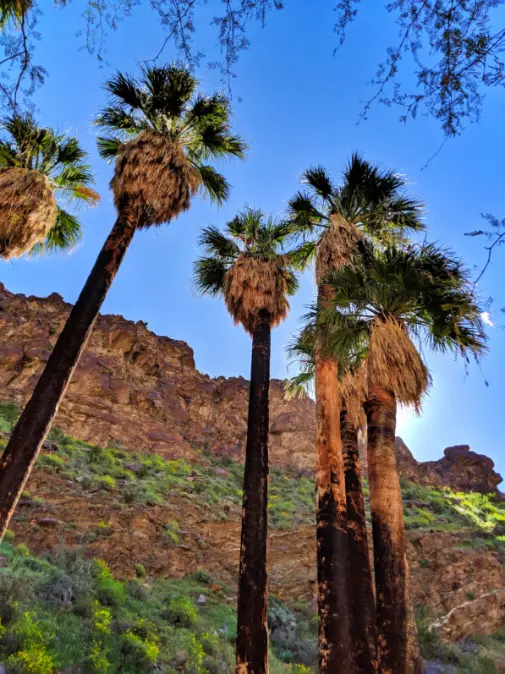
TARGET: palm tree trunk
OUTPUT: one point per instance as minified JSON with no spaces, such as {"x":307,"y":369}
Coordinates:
{"x":252,"y":619}
{"x":362,"y":606}
{"x":332,"y":569}
{"x":35,"y":422}
{"x":390,"y":556}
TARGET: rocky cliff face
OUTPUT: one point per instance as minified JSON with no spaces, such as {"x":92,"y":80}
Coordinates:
{"x":140,"y":391}
{"x":143,"y":391}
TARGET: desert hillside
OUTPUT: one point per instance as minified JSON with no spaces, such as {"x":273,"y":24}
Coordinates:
{"x":143,"y":471}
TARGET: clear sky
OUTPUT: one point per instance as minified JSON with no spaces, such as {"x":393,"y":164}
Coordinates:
{"x":298,"y":106}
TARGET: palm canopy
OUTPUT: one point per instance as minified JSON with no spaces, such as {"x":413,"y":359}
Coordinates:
{"x":28,"y":146}
{"x":16,"y":10}
{"x":248,"y":265}
{"x":164,"y":101}
{"x":13,"y":10}
{"x":371,"y":200}
{"x":386,"y":300}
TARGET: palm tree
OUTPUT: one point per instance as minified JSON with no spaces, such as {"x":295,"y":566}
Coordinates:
{"x":333,"y":219}
{"x":352,"y":393}
{"x":16,"y":10}
{"x":13,"y":10}
{"x":161,"y":135}
{"x":37,"y":167}
{"x":246,"y":265}
{"x":382,"y":303}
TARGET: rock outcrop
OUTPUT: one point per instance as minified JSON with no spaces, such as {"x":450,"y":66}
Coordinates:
{"x":142,"y":391}
{"x":460,"y":469}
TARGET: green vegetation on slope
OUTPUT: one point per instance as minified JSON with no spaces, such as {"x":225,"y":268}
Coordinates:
{"x":479,"y":518}
{"x":64,"y":611}
{"x":480,"y":654}
{"x":149,"y":479}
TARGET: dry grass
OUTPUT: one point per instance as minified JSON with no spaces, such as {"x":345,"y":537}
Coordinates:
{"x":252,"y":285}
{"x":154,"y":178}
{"x":394,"y":363}
{"x":27,"y":210}
{"x":336,"y":247}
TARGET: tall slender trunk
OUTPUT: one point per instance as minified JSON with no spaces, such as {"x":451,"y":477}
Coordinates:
{"x":252,"y":619}
{"x":35,"y":422}
{"x":390,"y":555}
{"x":362,"y":605}
{"x":332,"y":568}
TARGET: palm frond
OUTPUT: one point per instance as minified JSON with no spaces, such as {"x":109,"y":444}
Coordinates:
{"x":125,"y":90}
{"x":215,"y":243}
{"x":320,"y":181}
{"x":170,"y":88}
{"x":116,"y":117}
{"x":65,"y":234}
{"x":208,"y":276}
{"x":108,"y":147}
{"x":214,"y":183}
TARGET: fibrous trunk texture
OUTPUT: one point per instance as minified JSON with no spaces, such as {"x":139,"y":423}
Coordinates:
{"x":332,"y":568}
{"x":27,"y":210}
{"x":252,"y":625}
{"x":35,"y":422}
{"x":390,"y":555}
{"x":361,"y":590}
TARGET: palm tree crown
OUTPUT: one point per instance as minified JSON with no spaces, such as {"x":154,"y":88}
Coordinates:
{"x":388,"y":299}
{"x":30,"y":150}
{"x":162,"y":134}
{"x":248,"y":266}
{"x":13,"y":10}
{"x":369,"y":201}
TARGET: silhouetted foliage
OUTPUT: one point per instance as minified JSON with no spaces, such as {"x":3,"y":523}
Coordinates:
{"x":457,"y":52}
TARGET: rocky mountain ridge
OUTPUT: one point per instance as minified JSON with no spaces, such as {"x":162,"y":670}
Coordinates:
{"x":142,"y":391}
{"x":134,"y":390}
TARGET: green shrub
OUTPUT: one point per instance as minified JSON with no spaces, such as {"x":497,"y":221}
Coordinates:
{"x":22,"y":550}
{"x":202,"y":577}
{"x":110,"y":591}
{"x":97,"y":661}
{"x":140,"y":570}
{"x":137,"y":590}
{"x":172,"y":533}
{"x":181,"y":612}
{"x":9,"y":414}
{"x":33,"y":657}
{"x":51,"y":461}
{"x":105,"y":482}
{"x":138,"y":654}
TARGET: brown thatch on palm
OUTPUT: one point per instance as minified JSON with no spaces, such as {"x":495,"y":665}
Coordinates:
{"x":336,"y":246}
{"x":27,"y":210}
{"x":394,"y":362}
{"x":162,"y":134}
{"x":37,"y":166}
{"x":253,"y":285}
{"x":249,"y":269}
{"x":154,"y":179}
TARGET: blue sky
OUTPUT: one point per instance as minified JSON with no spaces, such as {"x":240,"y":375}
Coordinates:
{"x":299,"y":107}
